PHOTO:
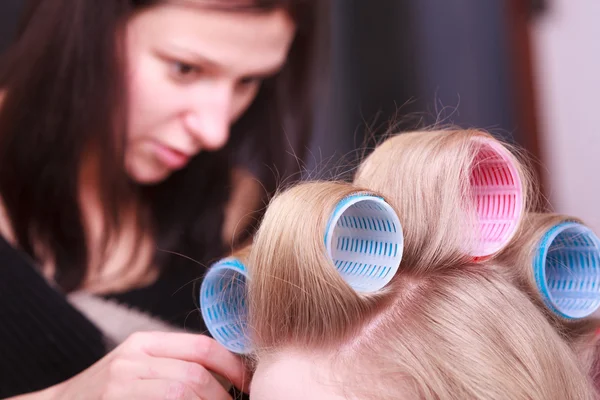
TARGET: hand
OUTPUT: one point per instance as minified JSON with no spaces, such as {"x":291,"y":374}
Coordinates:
{"x":157,"y":365}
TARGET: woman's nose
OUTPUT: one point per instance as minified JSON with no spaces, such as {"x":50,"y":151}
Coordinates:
{"x":209,"y":121}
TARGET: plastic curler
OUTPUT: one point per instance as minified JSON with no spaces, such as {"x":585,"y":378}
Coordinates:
{"x":364,"y":240}
{"x":566,"y":269}
{"x":497,"y":191}
{"x":223,"y":304}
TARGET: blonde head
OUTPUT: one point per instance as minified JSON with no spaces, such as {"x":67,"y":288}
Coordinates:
{"x":459,"y":320}
{"x":437,"y":331}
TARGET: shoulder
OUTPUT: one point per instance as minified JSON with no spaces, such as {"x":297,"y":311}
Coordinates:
{"x":10,"y":255}
{"x":11,"y":252}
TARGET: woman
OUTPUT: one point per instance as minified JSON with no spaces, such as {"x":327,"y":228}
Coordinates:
{"x":122,"y":127}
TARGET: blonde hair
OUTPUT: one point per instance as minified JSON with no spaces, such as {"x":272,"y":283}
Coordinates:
{"x":519,"y":258}
{"x":436,"y":180}
{"x":439,"y":331}
{"x":289,"y":251}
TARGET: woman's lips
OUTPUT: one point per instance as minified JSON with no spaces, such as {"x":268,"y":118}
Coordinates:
{"x":168,"y":156}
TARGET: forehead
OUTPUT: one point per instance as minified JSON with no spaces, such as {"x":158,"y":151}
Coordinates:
{"x":232,"y":38}
{"x":294,"y":376}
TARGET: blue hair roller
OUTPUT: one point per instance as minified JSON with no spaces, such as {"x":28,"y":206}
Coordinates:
{"x":364,"y":239}
{"x":223,"y":304}
{"x":567,"y":270}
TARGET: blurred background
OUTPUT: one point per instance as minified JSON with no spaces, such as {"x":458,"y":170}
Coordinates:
{"x":525,"y":70}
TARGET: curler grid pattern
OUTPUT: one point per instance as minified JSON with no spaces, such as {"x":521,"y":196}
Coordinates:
{"x":223,"y":304}
{"x":567,"y":270}
{"x":364,"y":240}
{"x":497,"y":192}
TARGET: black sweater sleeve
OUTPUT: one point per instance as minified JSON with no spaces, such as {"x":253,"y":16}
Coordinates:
{"x":43,"y":339}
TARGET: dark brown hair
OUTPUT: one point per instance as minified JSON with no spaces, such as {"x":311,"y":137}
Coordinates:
{"x":65,"y":91}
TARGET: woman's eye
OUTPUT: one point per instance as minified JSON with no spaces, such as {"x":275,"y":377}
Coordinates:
{"x":249,"y":81}
{"x":184,"y":71}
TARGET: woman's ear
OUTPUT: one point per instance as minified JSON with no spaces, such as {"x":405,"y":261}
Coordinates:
{"x":245,"y":199}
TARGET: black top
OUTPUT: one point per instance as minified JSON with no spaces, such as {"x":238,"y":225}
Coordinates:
{"x":44,"y":340}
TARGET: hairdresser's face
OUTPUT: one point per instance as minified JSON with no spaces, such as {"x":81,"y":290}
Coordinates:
{"x":294,"y":376}
{"x":193,"y":71}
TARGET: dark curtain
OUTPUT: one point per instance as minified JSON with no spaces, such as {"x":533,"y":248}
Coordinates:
{"x":420,"y":62}
{"x":9,"y":14}
{"x":372,"y":74}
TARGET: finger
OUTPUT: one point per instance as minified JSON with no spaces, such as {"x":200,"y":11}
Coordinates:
{"x":194,"y":348}
{"x":193,"y":375}
{"x":157,"y":389}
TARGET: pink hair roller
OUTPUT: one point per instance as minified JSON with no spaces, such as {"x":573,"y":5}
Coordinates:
{"x":497,"y":191}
